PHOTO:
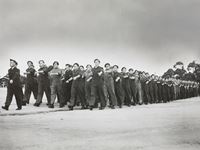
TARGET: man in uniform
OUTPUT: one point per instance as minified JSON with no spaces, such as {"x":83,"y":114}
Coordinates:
{"x":88,"y":85}
{"x":14,"y":86}
{"x":43,"y":84}
{"x":75,"y":90}
{"x":31,"y":83}
{"x":67,"y":84}
{"x":109,"y":86}
{"x":118,"y":86}
{"x":56,"y":85}
{"x":97,"y":90}
{"x":126,"y":87}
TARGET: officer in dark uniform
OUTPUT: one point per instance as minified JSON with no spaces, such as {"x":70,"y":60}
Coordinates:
{"x":143,"y":80}
{"x":159,"y":85}
{"x":43,"y":84}
{"x":14,"y":86}
{"x":67,"y":83}
{"x":97,"y":90}
{"x":75,"y":90}
{"x":82,"y":87}
{"x":31,"y":83}
{"x":126,"y":87}
{"x":88,"y":85}
{"x":118,"y":86}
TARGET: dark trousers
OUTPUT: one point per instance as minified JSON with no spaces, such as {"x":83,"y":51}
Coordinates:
{"x":88,"y":94}
{"x":30,"y":87}
{"x":17,"y":92}
{"x":66,"y":91}
{"x":43,"y":88}
{"x":127,"y":93}
{"x":159,"y":93}
{"x":76,"y":92}
{"x":155,"y":89}
{"x":119,"y":94}
{"x":97,"y":93}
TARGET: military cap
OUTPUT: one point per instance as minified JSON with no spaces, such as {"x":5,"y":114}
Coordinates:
{"x":116,"y":66}
{"x":14,"y":61}
{"x":67,"y":65}
{"x":97,"y":60}
{"x":56,"y":62}
{"x":106,"y":64}
{"x":131,"y":69}
{"x":76,"y":64}
{"x":88,"y":65}
{"x":30,"y":62}
{"x":41,"y":61}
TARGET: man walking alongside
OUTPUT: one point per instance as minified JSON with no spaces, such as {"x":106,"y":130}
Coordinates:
{"x":14,"y":86}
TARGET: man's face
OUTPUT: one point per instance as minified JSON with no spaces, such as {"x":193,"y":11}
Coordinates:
{"x":115,"y":69}
{"x":96,"y":63}
{"x":75,"y":67}
{"x":107,"y":66}
{"x":29,"y":64}
{"x":41,"y":64}
{"x":67,"y":67}
{"x":124,"y":70}
{"x":12,"y":64}
{"x":55,"y":65}
{"x":89,"y":67}
{"x":81,"y":68}
{"x":131,"y":71}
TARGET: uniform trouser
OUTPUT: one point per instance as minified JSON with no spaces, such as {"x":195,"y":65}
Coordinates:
{"x":127,"y":94}
{"x":119,"y":94}
{"x":97,"y":92}
{"x":155,"y":93}
{"x":81,"y":97}
{"x":89,"y":100}
{"x":66,"y":91}
{"x":76,"y":92}
{"x":14,"y":90}
{"x":133,"y":93}
{"x":109,"y":92}
{"x":159,"y":93}
{"x":56,"y":90}
{"x":151,"y":94}
{"x":43,"y":88}
{"x":30,"y":87}
{"x":148,"y":99}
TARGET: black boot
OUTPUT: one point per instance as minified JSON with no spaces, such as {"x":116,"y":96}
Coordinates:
{"x":5,"y":107}
{"x":37,"y":104}
{"x":91,"y":107}
{"x":70,"y":107}
{"x":19,"y":108}
{"x":51,"y":106}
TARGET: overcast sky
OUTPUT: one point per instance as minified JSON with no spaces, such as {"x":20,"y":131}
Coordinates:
{"x":148,"y":35}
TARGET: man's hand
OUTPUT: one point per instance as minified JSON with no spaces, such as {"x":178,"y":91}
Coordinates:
{"x":117,"y":79}
{"x":100,"y":73}
{"x":11,"y":81}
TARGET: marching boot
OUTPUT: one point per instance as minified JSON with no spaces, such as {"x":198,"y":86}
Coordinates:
{"x":5,"y":107}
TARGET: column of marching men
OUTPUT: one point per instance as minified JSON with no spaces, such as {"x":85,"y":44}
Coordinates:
{"x":94,"y":87}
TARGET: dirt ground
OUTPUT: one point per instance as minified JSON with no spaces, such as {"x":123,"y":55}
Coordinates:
{"x":174,"y":126}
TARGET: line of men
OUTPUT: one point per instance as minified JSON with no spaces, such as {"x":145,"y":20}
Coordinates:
{"x":94,"y":87}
